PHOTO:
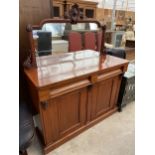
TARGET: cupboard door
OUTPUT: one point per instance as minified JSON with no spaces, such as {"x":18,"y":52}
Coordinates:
{"x":104,"y":96}
{"x":64,"y":114}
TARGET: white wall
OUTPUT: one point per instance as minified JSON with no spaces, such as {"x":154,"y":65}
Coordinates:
{"x":128,"y":5}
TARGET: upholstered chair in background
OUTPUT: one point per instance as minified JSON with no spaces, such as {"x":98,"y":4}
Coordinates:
{"x":75,"y":41}
{"x":89,"y":40}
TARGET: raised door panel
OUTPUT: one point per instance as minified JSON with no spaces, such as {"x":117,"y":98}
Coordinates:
{"x":64,"y":114}
{"x":71,"y":111}
{"x":104,"y":96}
{"x":68,"y":111}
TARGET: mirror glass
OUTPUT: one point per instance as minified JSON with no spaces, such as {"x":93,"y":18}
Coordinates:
{"x":54,"y":38}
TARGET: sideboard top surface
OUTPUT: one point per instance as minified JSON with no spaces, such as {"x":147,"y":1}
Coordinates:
{"x":57,"y":68}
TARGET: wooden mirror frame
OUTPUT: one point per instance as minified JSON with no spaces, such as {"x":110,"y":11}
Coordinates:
{"x":31,"y":61}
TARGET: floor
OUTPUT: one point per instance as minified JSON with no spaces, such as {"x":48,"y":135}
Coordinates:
{"x":112,"y":136}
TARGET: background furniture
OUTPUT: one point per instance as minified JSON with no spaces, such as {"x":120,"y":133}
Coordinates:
{"x":87,"y":8}
{"x":130,"y":43}
{"x":44,"y":43}
{"x":26,"y":128}
{"x":130,"y":53}
{"x":128,"y":35}
{"x":127,"y":90}
{"x":118,"y":52}
{"x":117,"y":38}
{"x":113,"y":40}
{"x":114,"y":37}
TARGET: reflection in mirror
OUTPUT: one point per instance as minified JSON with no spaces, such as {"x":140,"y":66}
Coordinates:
{"x":56,"y":38}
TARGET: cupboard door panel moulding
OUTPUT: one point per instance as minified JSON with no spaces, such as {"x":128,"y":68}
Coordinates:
{"x":64,"y":114}
{"x":104,"y":96}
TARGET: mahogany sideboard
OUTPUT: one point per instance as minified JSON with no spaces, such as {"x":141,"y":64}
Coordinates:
{"x":73,"y":91}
